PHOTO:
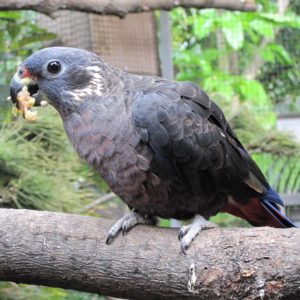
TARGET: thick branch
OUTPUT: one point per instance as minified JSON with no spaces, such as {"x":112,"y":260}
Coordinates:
{"x":122,"y":7}
{"x":69,"y":251}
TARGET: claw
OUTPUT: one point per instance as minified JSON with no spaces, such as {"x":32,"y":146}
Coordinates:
{"x":182,"y":231}
{"x":183,"y":248}
{"x":126,"y":223}
{"x":109,"y":239}
{"x":188,"y":233}
{"x":124,"y":230}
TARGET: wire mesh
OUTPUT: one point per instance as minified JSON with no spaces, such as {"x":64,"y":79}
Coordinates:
{"x":129,"y":43}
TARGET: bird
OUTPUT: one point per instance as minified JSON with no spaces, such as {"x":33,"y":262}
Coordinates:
{"x":164,"y":147}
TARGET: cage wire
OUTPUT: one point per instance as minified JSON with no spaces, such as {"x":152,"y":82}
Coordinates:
{"x":129,"y":43}
{"x":282,"y":82}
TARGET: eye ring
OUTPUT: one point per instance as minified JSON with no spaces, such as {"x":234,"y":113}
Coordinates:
{"x":54,"y":67}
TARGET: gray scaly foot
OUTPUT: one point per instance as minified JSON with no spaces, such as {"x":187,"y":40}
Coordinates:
{"x":188,"y":233}
{"x":126,"y":223}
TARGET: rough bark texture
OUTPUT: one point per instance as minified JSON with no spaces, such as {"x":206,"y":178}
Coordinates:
{"x":122,"y":7}
{"x":69,"y":251}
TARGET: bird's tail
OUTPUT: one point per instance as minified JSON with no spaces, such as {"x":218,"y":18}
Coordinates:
{"x":270,"y":203}
{"x":263,"y":211}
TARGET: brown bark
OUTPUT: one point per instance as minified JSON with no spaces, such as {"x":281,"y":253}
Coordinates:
{"x":69,"y":251}
{"x":122,"y":7}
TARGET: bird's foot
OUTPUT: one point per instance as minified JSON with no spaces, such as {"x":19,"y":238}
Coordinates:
{"x":126,"y":223}
{"x":188,"y":233}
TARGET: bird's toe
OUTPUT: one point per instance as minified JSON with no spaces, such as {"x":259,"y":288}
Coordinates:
{"x":115,"y":229}
{"x":183,"y":231}
{"x":185,"y":244}
{"x":188,"y":233}
{"x":113,"y":232}
{"x":126,"y":223}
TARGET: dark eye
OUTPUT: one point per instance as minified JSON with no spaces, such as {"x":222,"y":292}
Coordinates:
{"x":54,"y":67}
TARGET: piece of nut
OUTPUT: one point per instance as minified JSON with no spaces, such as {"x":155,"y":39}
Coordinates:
{"x":30,"y":115}
{"x":25,"y":103}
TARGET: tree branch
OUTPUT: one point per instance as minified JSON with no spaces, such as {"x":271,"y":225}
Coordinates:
{"x":122,"y":7}
{"x":69,"y":251}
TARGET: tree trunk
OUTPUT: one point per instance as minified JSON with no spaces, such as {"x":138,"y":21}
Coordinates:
{"x":122,"y":7}
{"x":69,"y":251}
{"x":223,"y":60}
{"x":253,"y":68}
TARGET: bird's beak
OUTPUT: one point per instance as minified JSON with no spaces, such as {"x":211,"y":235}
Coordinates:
{"x":25,"y":93}
{"x":17,"y":85}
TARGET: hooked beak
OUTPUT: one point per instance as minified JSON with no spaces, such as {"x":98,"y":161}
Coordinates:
{"x":17,"y":85}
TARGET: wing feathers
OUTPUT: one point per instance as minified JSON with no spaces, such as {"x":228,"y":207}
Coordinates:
{"x":185,"y":127}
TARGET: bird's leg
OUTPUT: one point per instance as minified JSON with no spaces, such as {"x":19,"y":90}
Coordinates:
{"x":126,"y":223}
{"x":188,"y":233}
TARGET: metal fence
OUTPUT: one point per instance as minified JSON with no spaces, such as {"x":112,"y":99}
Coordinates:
{"x":129,"y":43}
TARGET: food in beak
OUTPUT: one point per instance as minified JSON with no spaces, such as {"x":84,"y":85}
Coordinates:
{"x":24,"y":104}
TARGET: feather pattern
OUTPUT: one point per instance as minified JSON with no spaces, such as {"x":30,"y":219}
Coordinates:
{"x":163,"y":146}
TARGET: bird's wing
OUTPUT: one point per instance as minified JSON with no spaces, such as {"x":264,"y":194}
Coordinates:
{"x":183,"y":125}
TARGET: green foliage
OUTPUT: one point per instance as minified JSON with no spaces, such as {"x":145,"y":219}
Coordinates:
{"x":39,"y":170}
{"x":232,"y":28}
{"x":277,"y":153}
{"x":36,"y":171}
{"x":282,"y":81}
{"x":10,"y":291}
{"x":19,"y":37}
{"x":219,"y":50}
{"x":283,"y":172}
{"x":226,"y":220}
{"x":38,"y":167}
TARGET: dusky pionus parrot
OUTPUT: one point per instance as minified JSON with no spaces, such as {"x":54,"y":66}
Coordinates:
{"x":164,"y":147}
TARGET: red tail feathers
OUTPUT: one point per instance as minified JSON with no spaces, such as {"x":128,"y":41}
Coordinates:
{"x":258,"y":213}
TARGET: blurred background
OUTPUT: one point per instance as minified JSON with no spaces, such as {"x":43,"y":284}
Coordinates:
{"x":248,"y":62}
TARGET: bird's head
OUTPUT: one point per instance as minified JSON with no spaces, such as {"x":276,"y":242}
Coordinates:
{"x":62,"y":76}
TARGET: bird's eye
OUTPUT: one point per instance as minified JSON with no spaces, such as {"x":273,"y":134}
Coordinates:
{"x":54,"y":67}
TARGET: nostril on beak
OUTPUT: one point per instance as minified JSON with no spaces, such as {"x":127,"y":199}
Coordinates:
{"x":21,"y":72}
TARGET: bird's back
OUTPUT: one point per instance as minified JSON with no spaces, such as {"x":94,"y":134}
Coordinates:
{"x":165,"y":148}
{"x":195,"y":148}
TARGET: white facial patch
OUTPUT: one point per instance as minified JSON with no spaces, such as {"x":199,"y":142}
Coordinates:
{"x":94,"y":87}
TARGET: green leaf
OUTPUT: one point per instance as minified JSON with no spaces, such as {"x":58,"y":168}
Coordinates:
{"x":1,"y":40}
{"x":262,"y":27}
{"x":280,"y":53}
{"x":210,"y":54}
{"x":268,"y":54}
{"x":255,"y":38}
{"x":233,"y":31}
{"x":13,"y":30}
{"x":38,"y":37}
{"x":290,"y":19}
{"x":219,"y":83}
{"x":254,"y":92}
{"x":203,"y":27}
{"x":10,"y":15}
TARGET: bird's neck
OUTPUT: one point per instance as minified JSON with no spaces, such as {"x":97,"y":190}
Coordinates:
{"x":98,"y":85}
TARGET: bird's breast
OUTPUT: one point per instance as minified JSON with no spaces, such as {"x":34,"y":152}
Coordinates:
{"x":126,"y":164}
{"x":111,"y":146}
